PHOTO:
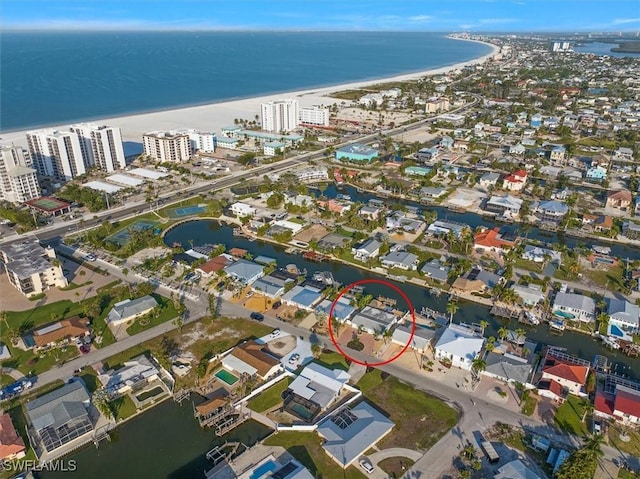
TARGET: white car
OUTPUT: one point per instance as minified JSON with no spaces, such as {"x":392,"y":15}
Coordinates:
{"x":275,"y":333}
{"x":366,"y":465}
{"x":294,"y":358}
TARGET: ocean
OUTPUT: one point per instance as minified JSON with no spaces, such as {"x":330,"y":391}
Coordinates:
{"x":50,"y":78}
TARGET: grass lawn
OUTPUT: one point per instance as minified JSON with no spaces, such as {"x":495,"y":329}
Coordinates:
{"x":123,"y":407}
{"x":19,"y":422}
{"x":29,"y":363}
{"x":90,"y":378}
{"x":528,"y":265}
{"x":624,"y":474}
{"x":395,"y":466}
{"x":528,"y":403}
{"x":306,"y":448}
{"x":108,"y":286}
{"x":270,"y":398}
{"x":569,"y":417}
{"x":333,"y":360}
{"x":632,"y":447}
{"x":612,"y":278}
{"x":5,"y":380}
{"x":420,"y":419}
{"x":167,"y":313}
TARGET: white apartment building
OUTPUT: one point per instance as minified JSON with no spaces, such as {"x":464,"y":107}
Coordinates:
{"x":18,"y":181}
{"x":32,"y":269}
{"x":167,"y":146}
{"x":101,"y":145}
{"x":314,"y":116}
{"x":312,"y":173}
{"x":202,"y":141}
{"x":280,"y":115}
{"x":57,"y":154}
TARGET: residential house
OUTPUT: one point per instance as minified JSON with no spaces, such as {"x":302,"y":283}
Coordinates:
{"x":623,"y":153}
{"x":352,"y":431}
{"x":368,"y":250}
{"x":303,"y":297}
{"x":11,"y":444}
{"x":422,"y":337}
{"x":427,"y":155}
{"x":446,"y":142}
{"x":342,"y":309}
{"x":562,"y":375}
{"x":508,"y":367}
{"x":373,"y":320}
{"x":476,"y":281}
{"x":417,"y":170}
{"x":57,"y":334}
{"x":541,"y":255}
{"x":134,"y":375}
{"x":518,"y":149}
{"x":244,"y":271}
{"x":507,"y":205}
{"x":491,"y":240}
{"x":401,"y":220}
{"x":436,"y":271}
{"x":603,"y":223}
{"x":575,"y":307}
{"x":335,"y":206}
{"x":620,"y":199}
{"x":459,"y":345}
{"x":432,"y":192}
{"x":317,"y":384}
{"x":551,"y":211}
{"x":622,"y":405}
{"x":443,"y":227}
{"x":356,"y":152}
{"x":401,"y":260}
{"x":251,"y":358}
{"x":370,"y":213}
{"x":536,"y":121}
{"x":596,"y":173}
{"x":242,"y":210}
{"x":212,"y":266}
{"x":530,"y":294}
{"x":59,"y":417}
{"x":557,"y":154}
{"x":623,"y":315}
{"x":516,"y":181}
{"x":515,"y":469}
{"x":270,"y":286}
{"x":130,"y":309}
{"x":488,"y":180}
{"x":631,"y":230}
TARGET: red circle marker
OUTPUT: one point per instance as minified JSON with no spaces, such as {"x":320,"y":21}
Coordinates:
{"x":396,"y":289}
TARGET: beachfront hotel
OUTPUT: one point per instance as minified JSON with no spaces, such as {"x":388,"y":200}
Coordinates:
{"x":101,"y":145}
{"x":167,"y":146}
{"x":280,"y":115}
{"x":56,"y":154}
{"x":314,"y":116}
{"x":18,"y":181}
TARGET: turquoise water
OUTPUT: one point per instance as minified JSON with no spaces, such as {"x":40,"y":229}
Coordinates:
{"x":263,"y":469}
{"x":227,"y":377}
{"x":50,"y":78}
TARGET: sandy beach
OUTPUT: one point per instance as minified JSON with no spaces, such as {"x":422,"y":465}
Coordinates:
{"x":214,"y":116}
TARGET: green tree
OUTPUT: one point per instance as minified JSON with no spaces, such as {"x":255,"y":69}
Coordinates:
{"x":503,"y":332}
{"x":484,"y":324}
{"x":452,"y":309}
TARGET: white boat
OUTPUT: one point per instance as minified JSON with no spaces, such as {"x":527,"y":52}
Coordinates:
{"x":610,"y":342}
{"x":531,"y":318}
{"x":557,"y":324}
{"x":605,"y":250}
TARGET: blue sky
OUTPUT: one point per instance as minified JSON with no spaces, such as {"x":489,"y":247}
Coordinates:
{"x":421,"y":15}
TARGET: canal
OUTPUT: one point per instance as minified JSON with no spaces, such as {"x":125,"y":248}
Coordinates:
{"x":202,"y":232}
{"x":164,"y":442}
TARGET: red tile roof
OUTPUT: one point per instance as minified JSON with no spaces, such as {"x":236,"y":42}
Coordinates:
{"x":214,"y":264}
{"x":627,"y":401}
{"x":604,"y":403}
{"x":550,"y":385}
{"x":570,"y":372}
{"x":10,"y":441}
{"x":490,"y":238}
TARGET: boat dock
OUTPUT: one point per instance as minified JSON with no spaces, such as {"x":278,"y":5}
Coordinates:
{"x":313,"y":256}
{"x":505,"y":312}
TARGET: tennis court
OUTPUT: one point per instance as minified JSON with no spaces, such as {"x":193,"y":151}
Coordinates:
{"x":122,"y":236}
{"x":186,"y":211}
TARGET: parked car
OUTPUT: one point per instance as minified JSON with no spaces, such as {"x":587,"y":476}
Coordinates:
{"x":91,"y":257}
{"x":294,"y":358}
{"x":366,"y":465}
{"x":597,"y":427}
{"x":257,"y":316}
{"x":275,"y":333}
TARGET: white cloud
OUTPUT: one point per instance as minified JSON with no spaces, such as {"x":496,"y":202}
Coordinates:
{"x":623,"y":21}
{"x":421,"y":18}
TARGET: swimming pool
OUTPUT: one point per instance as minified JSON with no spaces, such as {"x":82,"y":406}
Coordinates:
{"x":563,"y":314}
{"x":262,"y":469}
{"x":225,"y":376}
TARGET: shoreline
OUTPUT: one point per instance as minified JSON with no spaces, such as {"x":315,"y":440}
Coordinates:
{"x":214,"y":116}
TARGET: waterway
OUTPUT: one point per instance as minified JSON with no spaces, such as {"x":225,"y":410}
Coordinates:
{"x":208,"y":231}
{"x":164,"y":442}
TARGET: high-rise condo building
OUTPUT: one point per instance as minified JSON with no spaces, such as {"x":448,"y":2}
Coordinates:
{"x":101,"y":145}
{"x":280,"y":115}
{"x":315,"y":116}
{"x":167,"y":146}
{"x":57,"y":154}
{"x":201,"y":140}
{"x":18,"y":181}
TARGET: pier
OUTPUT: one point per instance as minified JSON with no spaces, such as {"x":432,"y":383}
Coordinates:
{"x":505,"y":312}
{"x":313,"y":256}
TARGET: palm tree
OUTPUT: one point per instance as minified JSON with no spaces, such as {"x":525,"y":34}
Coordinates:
{"x":316,"y":350}
{"x":387,"y":335}
{"x":491,"y":343}
{"x":484,"y":324}
{"x":503,"y":332}
{"x":520,"y":333}
{"x":587,"y":408}
{"x":478,"y":365}
{"x":452,"y":308}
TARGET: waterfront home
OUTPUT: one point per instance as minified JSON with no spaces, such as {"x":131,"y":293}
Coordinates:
{"x":491,"y":240}
{"x":283,"y":467}
{"x":562,"y":375}
{"x":623,"y":405}
{"x":296,"y":199}
{"x":476,"y":281}
{"x":446,"y":142}
{"x":596,"y":173}
{"x":57,"y":334}
{"x":342,"y":309}
{"x":432,"y":192}
{"x":443,"y":227}
{"x":459,"y":345}
{"x":334,"y":206}
{"x":623,"y":315}
{"x":550,"y":211}
{"x":270,"y":286}
{"x":575,"y":307}
{"x":243,"y":210}
{"x":436,"y":271}
{"x":516,"y":181}
{"x":250,"y":358}
{"x":417,"y":171}
{"x":489,"y":179}
{"x":508,"y":367}
{"x":60,"y":417}
{"x":422,"y":338}
{"x":603,"y":223}
{"x":401,"y":220}
{"x":319,"y":385}
{"x":303,"y":297}
{"x":333,"y":241}
{"x":211,"y":267}
{"x":312,"y":174}
{"x":427,"y":155}
{"x":11,"y":444}
{"x":370,"y":213}
{"x":530,"y":294}
{"x":505,"y":205}
{"x":130,"y":309}
{"x":515,"y":469}
{"x":518,"y":149}
{"x":352,"y":431}
{"x":368,"y":250}
{"x":623,"y":153}
{"x":356,"y":152}
{"x":372,"y":320}
{"x":132,"y":376}
{"x":631,"y":230}
{"x":541,"y":255}
{"x":244,"y":271}
{"x":620,"y":199}
{"x":401,"y":260}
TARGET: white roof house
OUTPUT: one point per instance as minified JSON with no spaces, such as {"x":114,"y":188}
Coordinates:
{"x":368,"y":249}
{"x":623,"y":314}
{"x":135,"y":372}
{"x":130,"y":309}
{"x":373,"y":320}
{"x":460,"y":345}
{"x":319,"y":385}
{"x":353,"y":431}
{"x":242,"y":209}
{"x":576,"y":307}
{"x":422,"y":337}
{"x":515,"y":470}
{"x":247,"y":272}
